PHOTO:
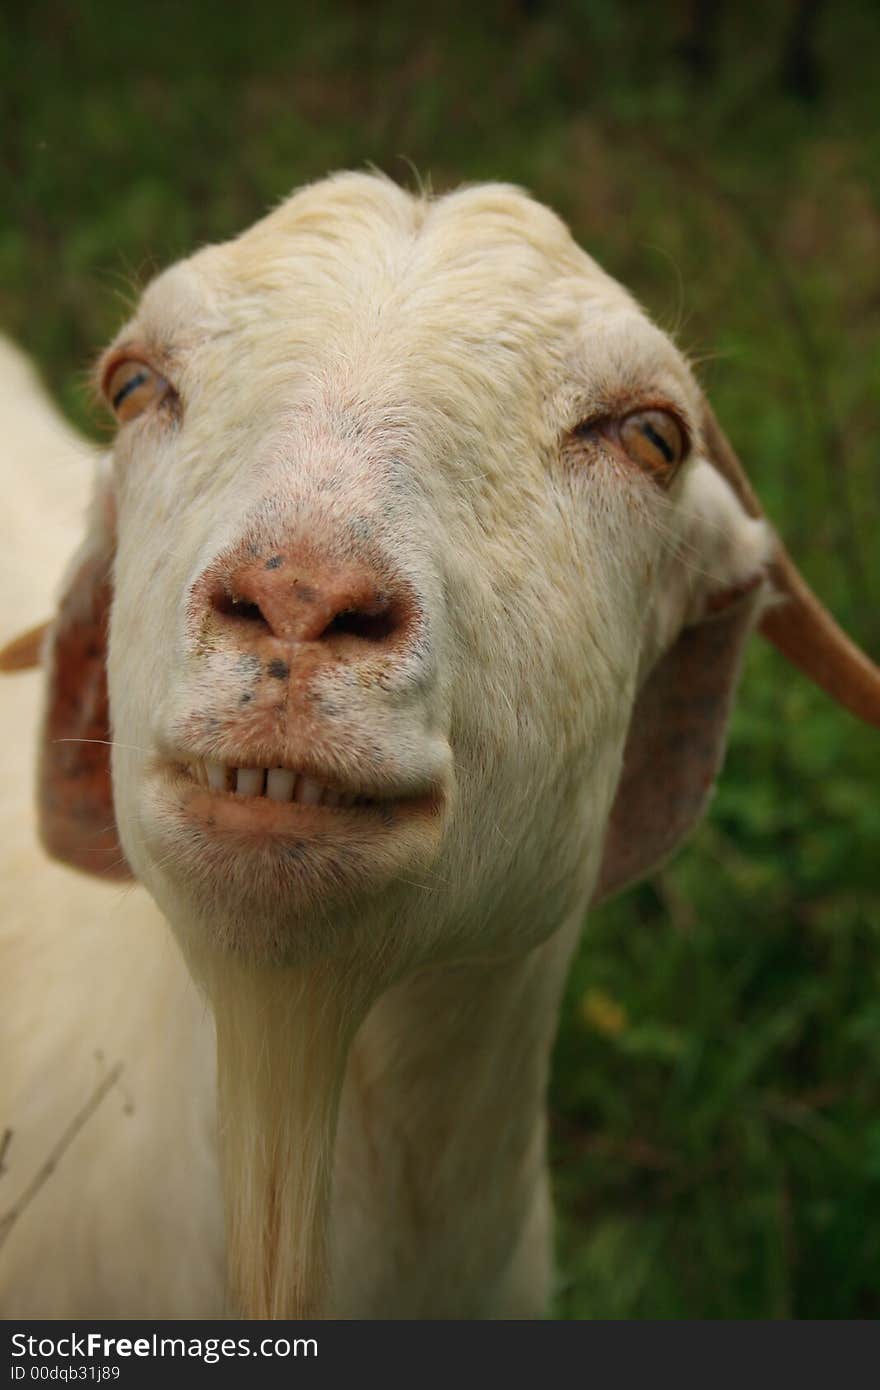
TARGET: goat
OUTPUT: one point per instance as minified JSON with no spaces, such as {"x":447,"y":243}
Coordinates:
{"x":424,"y":574}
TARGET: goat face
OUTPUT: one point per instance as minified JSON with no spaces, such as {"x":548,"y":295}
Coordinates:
{"x":407,"y":500}
{"x":414,"y":525}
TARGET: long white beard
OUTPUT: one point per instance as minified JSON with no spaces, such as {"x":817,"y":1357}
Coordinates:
{"x":283,"y":1037}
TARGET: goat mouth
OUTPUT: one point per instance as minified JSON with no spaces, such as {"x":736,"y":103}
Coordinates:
{"x":253,"y":867}
{"x":277,"y":795}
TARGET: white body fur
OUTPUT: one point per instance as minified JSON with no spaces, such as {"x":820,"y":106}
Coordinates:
{"x":429,"y":1002}
{"x":92,"y":983}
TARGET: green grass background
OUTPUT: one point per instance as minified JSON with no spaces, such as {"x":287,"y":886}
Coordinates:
{"x":715,"y":1116}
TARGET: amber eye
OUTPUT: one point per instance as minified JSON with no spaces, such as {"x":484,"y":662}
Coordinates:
{"x":655,"y":441}
{"x":133,"y":386}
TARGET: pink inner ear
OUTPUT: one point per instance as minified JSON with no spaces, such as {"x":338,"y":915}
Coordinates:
{"x":77,"y":822}
{"x":674,"y":749}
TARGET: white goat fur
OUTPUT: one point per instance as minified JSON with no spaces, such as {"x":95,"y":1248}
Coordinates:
{"x":90,"y":976}
{"x":367,"y":368}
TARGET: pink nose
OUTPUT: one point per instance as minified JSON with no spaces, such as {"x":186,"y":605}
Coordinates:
{"x":281,"y":598}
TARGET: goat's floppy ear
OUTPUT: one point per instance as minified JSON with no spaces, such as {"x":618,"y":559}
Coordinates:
{"x":75,"y":791}
{"x":678,"y":730}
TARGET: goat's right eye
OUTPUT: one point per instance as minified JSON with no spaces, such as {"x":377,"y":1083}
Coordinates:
{"x":655,"y":441}
{"x":131,"y":387}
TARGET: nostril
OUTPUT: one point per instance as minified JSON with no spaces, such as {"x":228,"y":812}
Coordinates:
{"x":369,"y":626}
{"x":245,"y":610}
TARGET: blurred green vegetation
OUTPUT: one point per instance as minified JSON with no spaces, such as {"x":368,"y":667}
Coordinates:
{"x":716,"y":1090}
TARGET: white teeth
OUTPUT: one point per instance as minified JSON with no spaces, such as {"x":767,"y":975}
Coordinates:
{"x":250,"y":781}
{"x":308,"y":792}
{"x":217,"y":776}
{"x":279,"y":784}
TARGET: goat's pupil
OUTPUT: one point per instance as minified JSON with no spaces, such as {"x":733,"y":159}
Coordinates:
{"x":658,"y":441}
{"x":139,"y":379}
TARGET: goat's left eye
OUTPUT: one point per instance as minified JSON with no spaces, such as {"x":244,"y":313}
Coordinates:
{"x":131,"y":387}
{"x":656,"y":441}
